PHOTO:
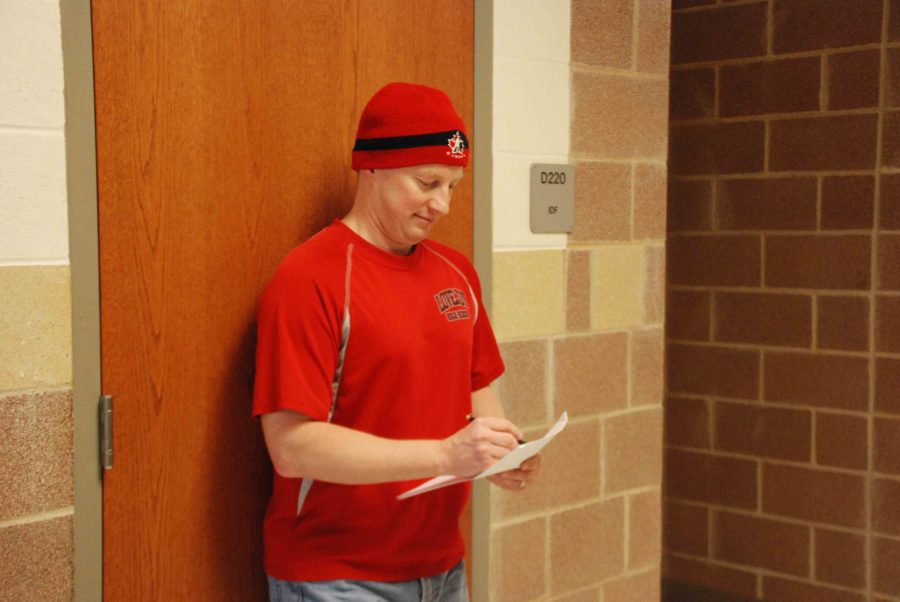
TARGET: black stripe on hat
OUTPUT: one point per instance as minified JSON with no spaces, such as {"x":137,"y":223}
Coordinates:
{"x":398,"y":142}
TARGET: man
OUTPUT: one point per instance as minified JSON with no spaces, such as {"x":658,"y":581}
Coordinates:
{"x":374,"y":354}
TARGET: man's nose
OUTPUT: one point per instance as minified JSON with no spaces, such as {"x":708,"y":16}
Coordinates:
{"x":440,"y":201}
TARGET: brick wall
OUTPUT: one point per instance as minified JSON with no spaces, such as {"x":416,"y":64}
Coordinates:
{"x":782,"y":414}
{"x":35,"y":310}
{"x":580,"y":316}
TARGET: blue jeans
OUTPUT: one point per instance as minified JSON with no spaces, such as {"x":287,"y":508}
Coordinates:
{"x":449,"y":586}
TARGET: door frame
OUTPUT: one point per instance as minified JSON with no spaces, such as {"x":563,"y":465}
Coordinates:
{"x":81,"y":189}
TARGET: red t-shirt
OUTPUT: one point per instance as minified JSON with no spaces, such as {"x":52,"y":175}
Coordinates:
{"x":416,"y":344}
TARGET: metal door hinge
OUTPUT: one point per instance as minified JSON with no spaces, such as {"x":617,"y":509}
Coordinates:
{"x":106,"y":432}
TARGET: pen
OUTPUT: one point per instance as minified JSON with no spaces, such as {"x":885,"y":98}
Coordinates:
{"x":470,"y":418}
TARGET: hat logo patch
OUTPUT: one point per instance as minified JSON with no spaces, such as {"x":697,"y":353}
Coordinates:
{"x":457,"y":146}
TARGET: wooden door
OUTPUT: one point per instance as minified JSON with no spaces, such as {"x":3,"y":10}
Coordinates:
{"x":224,"y":132}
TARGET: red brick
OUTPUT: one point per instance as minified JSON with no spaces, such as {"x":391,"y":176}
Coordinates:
{"x":687,"y":422}
{"x":711,"y":577}
{"x":816,"y":24}
{"x":823,"y":143}
{"x":686,"y":528}
{"x":654,"y":27}
{"x":893,"y":77}
{"x":889,"y":262}
{"x":887,"y":385}
{"x":692,"y":93}
{"x":709,"y":370}
{"x":676,"y":4}
{"x":842,"y":441}
{"x":714,"y":260}
{"x":762,"y":543}
{"x":890,"y":148}
{"x":887,"y":445}
{"x":827,"y":381}
{"x":649,"y":205}
{"x":766,"y":319}
{"x":785,"y":86}
{"x":765,"y":432}
{"x":887,"y":324}
{"x":700,"y":477}
{"x":37,"y":560}
{"x":887,"y":566}
{"x":894,"y":25}
{"x":848,"y":202}
{"x":885,"y":509}
{"x":814,"y":495}
{"x":689,"y":205}
{"x":602,"y":201}
{"x":842,"y":322}
{"x":777,"y":589}
{"x":688,"y":315}
{"x":719,"y":148}
{"x":766,"y":204}
{"x":840,"y":558}
{"x":725,"y":32}
{"x":818,"y":261}
{"x":889,"y":214}
{"x":853,"y":79}
{"x":601,"y":33}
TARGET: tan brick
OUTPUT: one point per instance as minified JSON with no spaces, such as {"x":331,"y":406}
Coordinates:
{"x":37,"y":561}
{"x":522,"y":388}
{"x":693,"y":93}
{"x":887,"y":445}
{"x":887,"y":324}
{"x":719,"y":480}
{"x":618,"y":276}
{"x":708,"y":370}
{"x":783,"y":86}
{"x":840,"y":558}
{"x":762,"y":318}
{"x":814,"y":495}
{"x":602,"y":201}
{"x":853,"y":79}
{"x":826,"y":381}
{"x":632,"y":451}
{"x":517,"y":576}
{"x":642,"y":587}
{"x":617,"y":116}
{"x":590,"y":373}
{"x":586,"y":545}
{"x":890,"y":154}
{"x":815,"y":24}
{"x":889,"y":261}
{"x":686,"y":529}
{"x":848,"y":202}
{"x":842,"y":441}
{"x":533,"y":306}
{"x":778,"y":589}
{"x":711,"y":576}
{"x":654,"y":27}
{"x":887,"y":385}
{"x":886,"y":560}
{"x":36,"y":454}
{"x":654,"y":295}
{"x":645,"y":529}
{"x":818,"y":261}
{"x":842,"y":322}
{"x":732,"y":260}
{"x":689,"y":205}
{"x":718,"y":148}
{"x":766,"y":204}
{"x":761,"y":431}
{"x":649,"y":201}
{"x":688,"y":315}
{"x":823,"y":143}
{"x":578,"y":291}
{"x":749,"y":541}
{"x":647,"y":355}
{"x":726,"y":32}
{"x":601,"y":33}
{"x":889,"y":214}
{"x":687,"y":422}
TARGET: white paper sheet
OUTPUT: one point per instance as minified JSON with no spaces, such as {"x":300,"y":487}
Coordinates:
{"x":508,"y":462}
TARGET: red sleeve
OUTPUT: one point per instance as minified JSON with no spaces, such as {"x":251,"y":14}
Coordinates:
{"x":298,"y":338}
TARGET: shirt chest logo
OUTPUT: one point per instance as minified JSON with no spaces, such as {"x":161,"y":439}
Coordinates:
{"x":452,"y":304}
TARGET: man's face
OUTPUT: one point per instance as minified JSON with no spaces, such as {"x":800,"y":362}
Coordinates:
{"x":409,"y":201}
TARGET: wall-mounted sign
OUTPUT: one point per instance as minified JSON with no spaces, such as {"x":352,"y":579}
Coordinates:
{"x":552,"y":197}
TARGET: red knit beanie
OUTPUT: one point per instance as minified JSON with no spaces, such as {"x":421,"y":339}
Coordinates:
{"x":408,"y":124}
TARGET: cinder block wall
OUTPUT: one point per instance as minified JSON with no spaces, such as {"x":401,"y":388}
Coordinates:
{"x":35,"y":310}
{"x":783,"y":324}
{"x":580,"y":316}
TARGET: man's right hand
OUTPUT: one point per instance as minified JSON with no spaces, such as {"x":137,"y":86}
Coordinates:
{"x":480,"y":444}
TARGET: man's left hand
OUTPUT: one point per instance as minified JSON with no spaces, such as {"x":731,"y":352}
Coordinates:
{"x":521,"y":477}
